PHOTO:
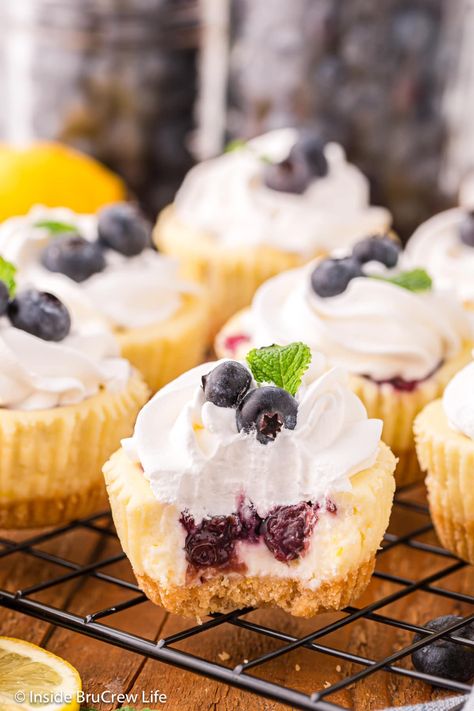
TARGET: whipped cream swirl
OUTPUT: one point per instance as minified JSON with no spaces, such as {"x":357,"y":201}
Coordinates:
{"x":195,"y":459}
{"x":374,"y":328}
{"x":227,"y":197}
{"x":37,"y":374}
{"x":131,"y":292}
{"x":458,"y":401}
{"x":436,"y":243}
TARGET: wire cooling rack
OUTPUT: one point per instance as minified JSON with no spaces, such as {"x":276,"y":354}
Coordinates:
{"x":248,"y":675}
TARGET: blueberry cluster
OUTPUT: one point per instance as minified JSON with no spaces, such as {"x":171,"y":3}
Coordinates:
{"x":120,"y":227}
{"x":466,"y":229}
{"x":265,"y":410}
{"x":305,"y":162}
{"x":332,"y":276}
{"x":443,"y":657}
{"x":285,"y":532}
{"x":37,"y":312}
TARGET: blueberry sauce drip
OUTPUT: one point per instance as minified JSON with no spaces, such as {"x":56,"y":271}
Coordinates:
{"x":402,"y":385}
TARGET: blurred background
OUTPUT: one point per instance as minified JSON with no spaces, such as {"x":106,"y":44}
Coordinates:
{"x":150,"y":86}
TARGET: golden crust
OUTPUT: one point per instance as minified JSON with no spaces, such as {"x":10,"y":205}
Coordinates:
{"x":231,"y":275}
{"x":448,"y":457}
{"x":224,"y":593}
{"x":50,"y":468}
{"x":163,"y":351}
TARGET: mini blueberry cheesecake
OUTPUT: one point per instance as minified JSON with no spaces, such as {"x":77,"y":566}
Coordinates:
{"x":269,"y":204}
{"x":103,"y":267}
{"x":244,"y":484}
{"x":444,"y":433}
{"x":66,"y":400}
{"x":400,"y":337}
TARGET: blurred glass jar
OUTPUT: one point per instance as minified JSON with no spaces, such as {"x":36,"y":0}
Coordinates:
{"x":113,"y":78}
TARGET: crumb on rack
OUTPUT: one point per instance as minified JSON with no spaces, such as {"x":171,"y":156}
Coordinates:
{"x":338,"y":668}
{"x":297,"y":667}
{"x":327,"y":684}
{"x":224,"y":656}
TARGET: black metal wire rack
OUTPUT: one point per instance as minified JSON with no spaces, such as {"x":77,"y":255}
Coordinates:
{"x":247,"y":675}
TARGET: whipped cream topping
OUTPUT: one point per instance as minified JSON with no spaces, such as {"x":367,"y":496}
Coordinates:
{"x":436,"y":244}
{"x":227,"y":197}
{"x":374,"y":328}
{"x":37,"y":374}
{"x":194,"y":457}
{"x":130,"y":292}
{"x":458,"y":401}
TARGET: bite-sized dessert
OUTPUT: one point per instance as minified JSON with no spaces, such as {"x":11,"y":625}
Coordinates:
{"x":66,"y":400}
{"x":400,"y":337}
{"x":270,"y":204}
{"x":444,"y":433}
{"x":105,"y":270}
{"x":245,"y":485}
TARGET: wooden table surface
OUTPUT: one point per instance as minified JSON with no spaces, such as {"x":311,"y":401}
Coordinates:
{"x":105,"y":667}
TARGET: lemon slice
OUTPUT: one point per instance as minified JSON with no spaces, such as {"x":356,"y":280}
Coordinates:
{"x":33,"y":679}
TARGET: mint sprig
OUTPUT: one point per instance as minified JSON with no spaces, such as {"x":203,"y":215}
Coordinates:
{"x":413,"y":280}
{"x":235,"y":145}
{"x":55,"y":227}
{"x":7,"y":275}
{"x":284,"y":366}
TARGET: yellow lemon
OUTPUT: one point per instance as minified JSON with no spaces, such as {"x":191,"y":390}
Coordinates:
{"x":32,"y":678}
{"x":54,"y":175}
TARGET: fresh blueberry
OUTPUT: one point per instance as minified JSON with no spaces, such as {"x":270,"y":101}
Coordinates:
{"x":122,"y":228}
{"x":377,"y":249}
{"x":73,"y":256}
{"x":227,"y":384}
{"x":332,"y":276}
{"x":40,"y":314}
{"x":305,"y":162}
{"x":445,"y":658}
{"x":212,"y":542}
{"x":4,"y":297}
{"x":267,"y":410}
{"x":287,"y":529}
{"x":466,"y":229}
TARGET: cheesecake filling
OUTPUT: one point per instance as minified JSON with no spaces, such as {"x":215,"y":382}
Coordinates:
{"x":458,"y":401}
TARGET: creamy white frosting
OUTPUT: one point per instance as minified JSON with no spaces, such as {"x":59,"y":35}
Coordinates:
{"x":194,"y":457}
{"x":458,"y":401}
{"x":129,"y":293}
{"x":374,"y":328}
{"x":227,"y":197}
{"x":437,"y":245}
{"x":37,"y":374}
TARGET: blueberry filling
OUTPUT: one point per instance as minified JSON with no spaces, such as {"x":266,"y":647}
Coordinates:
{"x":266,"y":411}
{"x":466,"y":229}
{"x":399,"y":383}
{"x":285,"y":532}
{"x":443,"y":657}
{"x":232,"y":343}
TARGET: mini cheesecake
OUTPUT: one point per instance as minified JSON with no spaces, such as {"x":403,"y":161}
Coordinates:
{"x":399,"y":334}
{"x":246,"y":484}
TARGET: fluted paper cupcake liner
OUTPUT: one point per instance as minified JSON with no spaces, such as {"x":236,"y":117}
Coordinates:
{"x":448,"y":458}
{"x":231,"y":275}
{"x":50,"y":464}
{"x":168,"y":349}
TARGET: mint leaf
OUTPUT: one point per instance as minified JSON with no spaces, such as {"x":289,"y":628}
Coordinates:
{"x":282,"y":365}
{"x":413,"y":280}
{"x":7,"y":275}
{"x":55,"y":226}
{"x":235,"y":145}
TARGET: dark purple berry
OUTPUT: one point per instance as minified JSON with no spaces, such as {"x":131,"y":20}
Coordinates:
{"x":226,"y":385}
{"x":287,"y":529}
{"x":212,"y":542}
{"x":444,"y":658}
{"x":305,"y":162}
{"x":122,"y":228}
{"x":40,"y":314}
{"x":466,"y":229}
{"x":377,"y":249}
{"x":267,"y":410}
{"x":332,"y":276}
{"x":73,"y":256}
{"x":4,"y":297}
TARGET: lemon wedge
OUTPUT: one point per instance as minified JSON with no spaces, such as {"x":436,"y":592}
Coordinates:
{"x":33,"y":679}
